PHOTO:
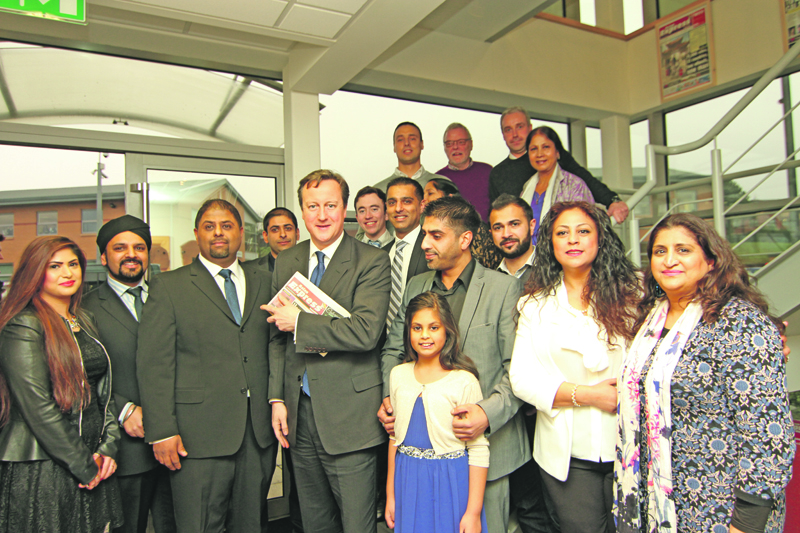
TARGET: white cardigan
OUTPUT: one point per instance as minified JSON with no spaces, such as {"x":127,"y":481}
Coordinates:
{"x":555,"y":344}
{"x":458,"y":387}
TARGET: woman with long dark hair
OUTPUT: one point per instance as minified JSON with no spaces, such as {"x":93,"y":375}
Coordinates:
{"x":576,"y":320}
{"x":59,"y":436}
{"x":705,"y":441}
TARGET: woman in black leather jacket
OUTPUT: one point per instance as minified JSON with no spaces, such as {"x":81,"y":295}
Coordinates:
{"x":59,"y":436}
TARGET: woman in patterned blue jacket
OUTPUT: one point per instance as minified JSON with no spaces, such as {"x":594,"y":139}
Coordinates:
{"x":705,"y":440}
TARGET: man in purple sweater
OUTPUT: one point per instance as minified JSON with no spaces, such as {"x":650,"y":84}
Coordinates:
{"x":471,"y":177}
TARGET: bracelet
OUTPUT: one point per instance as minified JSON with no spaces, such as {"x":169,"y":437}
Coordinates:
{"x":132,"y":408}
{"x":575,"y":403}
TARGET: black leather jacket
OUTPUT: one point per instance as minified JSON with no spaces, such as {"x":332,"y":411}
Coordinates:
{"x":37,"y":429}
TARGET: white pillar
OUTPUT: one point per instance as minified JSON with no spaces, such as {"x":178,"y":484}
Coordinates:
{"x":577,"y":138}
{"x":615,"y":134}
{"x":609,"y":14}
{"x":301,"y":141}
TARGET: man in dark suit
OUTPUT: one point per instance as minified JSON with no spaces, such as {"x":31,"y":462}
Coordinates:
{"x":280,"y":233}
{"x":404,"y":207}
{"x":325,"y":376}
{"x":484,"y":304}
{"x":203,"y":371}
{"x":116,"y":304}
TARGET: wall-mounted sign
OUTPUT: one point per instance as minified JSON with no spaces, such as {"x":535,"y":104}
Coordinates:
{"x":790,"y":14}
{"x":69,"y":10}
{"x":685,"y":52}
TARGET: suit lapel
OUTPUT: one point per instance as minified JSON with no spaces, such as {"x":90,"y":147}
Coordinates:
{"x":114,"y":306}
{"x":202,"y":279}
{"x":252,"y":288}
{"x":416,"y":254}
{"x":471,"y":302}
{"x":339,"y":264}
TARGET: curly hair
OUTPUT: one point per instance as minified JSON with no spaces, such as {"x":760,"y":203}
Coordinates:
{"x":726,"y":280}
{"x":451,"y":357}
{"x":613,"y":289}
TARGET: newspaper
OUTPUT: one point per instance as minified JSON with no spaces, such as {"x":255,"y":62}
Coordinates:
{"x":309,"y":298}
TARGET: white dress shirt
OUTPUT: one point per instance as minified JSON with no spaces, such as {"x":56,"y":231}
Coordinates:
{"x":127,"y":298}
{"x":237,"y":276}
{"x":556,"y":344}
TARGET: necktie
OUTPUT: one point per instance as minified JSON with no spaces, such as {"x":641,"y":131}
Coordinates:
{"x":316,"y":277}
{"x":397,"y":283}
{"x":376,"y":244}
{"x":230,"y":295}
{"x":136,"y":292}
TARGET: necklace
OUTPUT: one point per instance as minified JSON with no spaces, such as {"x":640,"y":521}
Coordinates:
{"x":584,"y":312}
{"x":72,"y":320}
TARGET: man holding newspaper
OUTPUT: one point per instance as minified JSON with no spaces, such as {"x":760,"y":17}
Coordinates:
{"x":325,"y":375}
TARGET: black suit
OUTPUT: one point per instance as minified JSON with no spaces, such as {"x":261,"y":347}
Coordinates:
{"x":204,"y":377}
{"x":143,"y":482}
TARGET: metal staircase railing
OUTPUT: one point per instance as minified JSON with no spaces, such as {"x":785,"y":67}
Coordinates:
{"x":718,"y":175}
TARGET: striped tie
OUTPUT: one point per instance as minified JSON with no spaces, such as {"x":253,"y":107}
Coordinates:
{"x":397,"y":283}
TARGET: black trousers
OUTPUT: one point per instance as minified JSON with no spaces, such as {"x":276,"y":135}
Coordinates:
{"x":583,"y":502}
{"x":145,"y":493}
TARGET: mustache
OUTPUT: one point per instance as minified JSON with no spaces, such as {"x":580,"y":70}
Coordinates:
{"x":132,"y":260}
{"x":509,"y":240}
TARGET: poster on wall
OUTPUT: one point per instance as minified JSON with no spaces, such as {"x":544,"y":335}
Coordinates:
{"x":791,"y":22}
{"x":685,"y":52}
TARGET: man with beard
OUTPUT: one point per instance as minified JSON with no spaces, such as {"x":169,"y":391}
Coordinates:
{"x":512,"y":224}
{"x":484,"y":303}
{"x":124,"y":244}
{"x":203,"y":371}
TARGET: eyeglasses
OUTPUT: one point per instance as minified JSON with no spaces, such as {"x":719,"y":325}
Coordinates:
{"x":461,"y":143}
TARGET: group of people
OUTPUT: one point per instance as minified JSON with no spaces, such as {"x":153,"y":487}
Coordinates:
{"x":554,"y":380}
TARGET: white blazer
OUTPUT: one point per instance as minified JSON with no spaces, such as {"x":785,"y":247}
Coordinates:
{"x":555,"y":344}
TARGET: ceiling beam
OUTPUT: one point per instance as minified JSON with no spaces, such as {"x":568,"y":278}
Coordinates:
{"x":378,"y":25}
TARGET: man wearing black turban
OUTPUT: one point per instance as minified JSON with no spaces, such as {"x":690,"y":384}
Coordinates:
{"x":124,"y":245}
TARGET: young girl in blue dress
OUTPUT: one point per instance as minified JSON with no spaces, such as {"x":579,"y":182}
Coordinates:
{"x":435,"y":481}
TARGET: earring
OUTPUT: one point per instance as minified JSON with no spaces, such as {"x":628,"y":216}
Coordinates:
{"x":658,"y":291}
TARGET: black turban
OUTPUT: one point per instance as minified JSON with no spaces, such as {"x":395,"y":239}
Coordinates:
{"x":122,"y":224}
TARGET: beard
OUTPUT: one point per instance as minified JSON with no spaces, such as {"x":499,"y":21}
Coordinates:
{"x":128,"y":277}
{"x":220,"y":253}
{"x":521,"y":249}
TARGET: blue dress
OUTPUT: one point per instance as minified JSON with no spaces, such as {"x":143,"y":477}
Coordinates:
{"x":431,"y":495}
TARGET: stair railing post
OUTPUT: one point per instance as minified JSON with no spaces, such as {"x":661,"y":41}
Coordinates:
{"x":717,"y":191}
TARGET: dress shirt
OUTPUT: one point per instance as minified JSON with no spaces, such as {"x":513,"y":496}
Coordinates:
{"x":271,"y":260}
{"x":384,"y":239}
{"x":237,"y":276}
{"x":457,"y":294}
{"x":411,"y":240}
{"x":126,"y":297}
{"x":451,"y":167}
{"x":523,"y":271}
{"x":556,"y":344}
{"x":312,"y":264}
{"x":399,"y":173}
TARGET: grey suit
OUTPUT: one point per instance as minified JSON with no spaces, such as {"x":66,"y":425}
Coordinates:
{"x":487,"y":327}
{"x":143,"y":482}
{"x":345,"y":384}
{"x":203,"y":377}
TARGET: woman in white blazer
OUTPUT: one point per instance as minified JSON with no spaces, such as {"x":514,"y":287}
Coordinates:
{"x":575,"y":323}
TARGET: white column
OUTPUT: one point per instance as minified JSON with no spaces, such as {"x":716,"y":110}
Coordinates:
{"x":615,"y":135}
{"x":577,"y":137}
{"x":609,"y":14}
{"x":301,"y":141}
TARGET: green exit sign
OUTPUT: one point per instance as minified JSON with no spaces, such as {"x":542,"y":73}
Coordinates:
{"x":69,"y":10}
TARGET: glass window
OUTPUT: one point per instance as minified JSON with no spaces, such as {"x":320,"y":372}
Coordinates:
{"x":46,"y":223}
{"x":594,"y":152}
{"x":690,"y":123}
{"x":7,"y":225}
{"x":633,"y":14}
{"x":88,"y":220}
{"x":667,"y":7}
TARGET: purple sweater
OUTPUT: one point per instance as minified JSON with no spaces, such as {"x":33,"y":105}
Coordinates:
{"x":473,"y":184}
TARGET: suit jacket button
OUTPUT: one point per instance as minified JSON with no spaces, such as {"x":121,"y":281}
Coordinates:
{"x":245,"y":359}
{"x":243,"y":391}
{"x":299,"y":378}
